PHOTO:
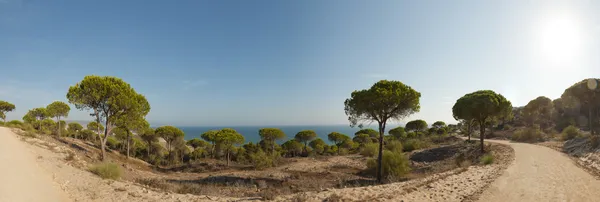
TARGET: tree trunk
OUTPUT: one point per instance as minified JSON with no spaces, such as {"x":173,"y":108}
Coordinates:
{"x":103,"y":142}
{"x":482,"y":134}
{"x":273,"y":148}
{"x":469,"y":130}
{"x":98,"y":128}
{"x":128,"y":136}
{"x":306,"y":149}
{"x":58,"y":129}
{"x":103,"y":152}
{"x":148,"y":149}
{"x":380,"y":156}
{"x":227,"y":157}
{"x":212,"y":150}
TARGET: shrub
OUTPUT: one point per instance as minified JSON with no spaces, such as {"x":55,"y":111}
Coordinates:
{"x":112,"y":143}
{"x":570,"y":132}
{"x":260,"y":160}
{"x":487,"y":159}
{"x":107,"y":170}
{"x":369,"y":150}
{"x":394,"y":146}
{"x":393,"y":165}
{"x":343,"y":151}
{"x":527,"y":135}
{"x":412,"y":144}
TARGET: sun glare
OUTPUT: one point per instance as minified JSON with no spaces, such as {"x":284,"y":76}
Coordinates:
{"x":560,"y":40}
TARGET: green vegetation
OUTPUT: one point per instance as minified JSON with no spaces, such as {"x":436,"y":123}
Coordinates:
{"x":227,"y":138}
{"x":260,"y":160}
{"x":533,"y":134}
{"x":481,"y":106}
{"x":438,"y":125}
{"x":487,"y":159}
{"x":109,"y":98}
{"x":393,"y":166}
{"x":57,"y":110}
{"x":416,"y":126}
{"x":270,"y":135}
{"x":412,"y":144}
{"x":4,"y":108}
{"x":384,"y":101}
{"x":369,"y":150}
{"x":107,"y":170}
{"x":570,"y":132}
{"x":305,"y":136}
{"x":399,"y":133}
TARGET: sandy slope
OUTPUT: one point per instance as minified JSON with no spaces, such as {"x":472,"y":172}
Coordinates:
{"x":22,"y":179}
{"x":542,"y":174}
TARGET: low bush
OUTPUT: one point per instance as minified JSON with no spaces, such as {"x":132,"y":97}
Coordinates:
{"x":369,"y":150}
{"x":343,"y":151}
{"x":412,"y":144}
{"x":487,"y":159}
{"x":570,"y":132}
{"x":260,"y":160}
{"x":394,"y":146}
{"x":107,"y":170}
{"x":527,"y":135}
{"x":394,"y":165}
{"x":112,"y":143}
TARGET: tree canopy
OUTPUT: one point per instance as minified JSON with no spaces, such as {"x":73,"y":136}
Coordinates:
{"x":169,"y":134}
{"x":109,"y":99}
{"x":58,"y":109}
{"x":362,"y":139}
{"x":94,"y":126}
{"x":438,"y":124}
{"x":74,"y":128}
{"x":4,"y":108}
{"x":149,"y":137}
{"x":292,"y":147}
{"x":197,"y":143}
{"x":271,"y":135}
{"x":368,"y":131}
{"x":384,"y":101}
{"x":337,"y":138}
{"x":36,"y":115}
{"x":416,"y":125}
{"x":398,"y":132}
{"x":539,"y":111}
{"x":227,"y":137}
{"x":305,"y":136}
{"x":481,"y":106}
{"x":584,"y":97}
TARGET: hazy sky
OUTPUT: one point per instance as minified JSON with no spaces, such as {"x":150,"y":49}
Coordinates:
{"x":293,"y":62}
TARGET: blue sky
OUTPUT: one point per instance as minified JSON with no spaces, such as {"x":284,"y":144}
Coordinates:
{"x":293,"y":62}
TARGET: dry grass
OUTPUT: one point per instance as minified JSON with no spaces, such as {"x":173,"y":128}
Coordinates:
{"x":107,"y":170}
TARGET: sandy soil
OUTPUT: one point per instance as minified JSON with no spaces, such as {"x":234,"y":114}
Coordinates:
{"x":455,"y":185}
{"x":67,"y":179}
{"x":22,"y":178}
{"x":542,"y":174}
{"x":43,"y":171}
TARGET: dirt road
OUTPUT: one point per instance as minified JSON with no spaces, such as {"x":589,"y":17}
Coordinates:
{"x":542,"y":174}
{"x":21,"y":179}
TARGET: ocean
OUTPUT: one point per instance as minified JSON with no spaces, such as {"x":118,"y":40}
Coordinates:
{"x":250,"y":133}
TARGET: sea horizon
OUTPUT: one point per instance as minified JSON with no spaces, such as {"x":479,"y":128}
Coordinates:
{"x":250,"y":133}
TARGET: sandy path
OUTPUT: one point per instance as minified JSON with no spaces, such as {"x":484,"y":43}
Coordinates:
{"x":21,"y":179}
{"x":542,"y":174}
